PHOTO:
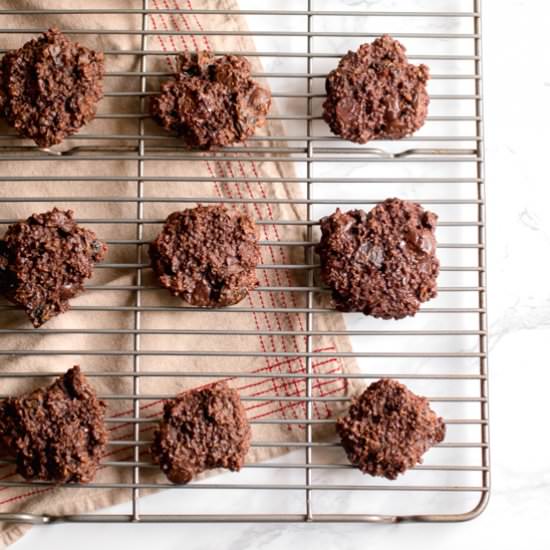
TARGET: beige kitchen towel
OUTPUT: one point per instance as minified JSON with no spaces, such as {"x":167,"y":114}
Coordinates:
{"x":98,"y":332}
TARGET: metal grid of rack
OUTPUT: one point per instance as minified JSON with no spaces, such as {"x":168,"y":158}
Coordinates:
{"x":446,"y":341}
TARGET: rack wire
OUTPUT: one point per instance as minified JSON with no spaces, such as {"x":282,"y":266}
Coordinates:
{"x":442,"y":351}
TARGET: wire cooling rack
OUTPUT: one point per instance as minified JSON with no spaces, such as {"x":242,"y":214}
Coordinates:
{"x":442,"y":352}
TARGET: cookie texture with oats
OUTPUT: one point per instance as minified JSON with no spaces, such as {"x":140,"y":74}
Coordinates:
{"x":45,"y":261}
{"x":388,"y":429}
{"x":200,"y":430}
{"x":211,"y":102}
{"x":56,"y":433}
{"x":207,"y":255}
{"x":375,"y":93}
{"x":50,"y":87}
{"x":382,"y":263}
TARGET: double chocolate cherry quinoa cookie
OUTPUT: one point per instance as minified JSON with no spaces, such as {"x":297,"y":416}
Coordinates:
{"x":382,"y":263}
{"x":201,"y":429}
{"x":207,"y":255}
{"x":388,"y":429}
{"x":49,"y":88}
{"x":44,"y":262}
{"x":375,"y":93}
{"x":55,"y":433}
{"x":211,"y":102}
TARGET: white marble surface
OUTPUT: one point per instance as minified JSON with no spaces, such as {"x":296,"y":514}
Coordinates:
{"x":517,"y":122}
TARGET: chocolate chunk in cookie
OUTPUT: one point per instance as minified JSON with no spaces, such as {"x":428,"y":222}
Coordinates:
{"x":211,"y":102}
{"x":207,"y":255}
{"x":44,"y":262}
{"x":388,"y":429}
{"x":50,"y":87}
{"x":382,"y":263}
{"x":375,"y":93}
{"x":55,"y":433}
{"x":201,"y":429}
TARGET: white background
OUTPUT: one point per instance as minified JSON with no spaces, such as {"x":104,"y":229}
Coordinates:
{"x":517,"y":122}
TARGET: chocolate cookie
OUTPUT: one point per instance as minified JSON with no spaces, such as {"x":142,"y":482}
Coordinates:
{"x":211,"y":102}
{"x":44,"y":262}
{"x":201,"y":429}
{"x":55,"y":433}
{"x":382,"y":263}
{"x":388,"y":429}
{"x":207,"y":255}
{"x":49,"y":88}
{"x":375,"y":93}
